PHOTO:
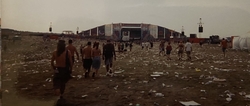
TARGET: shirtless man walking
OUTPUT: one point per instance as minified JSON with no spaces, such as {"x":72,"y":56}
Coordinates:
{"x":87,"y":59}
{"x":72,"y":50}
{"x":224,"y":46}
{"x":180,"y":50}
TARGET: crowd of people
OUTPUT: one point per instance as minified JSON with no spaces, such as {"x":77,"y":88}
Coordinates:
{"x":63,"y":59}
{"x":91,"y":56}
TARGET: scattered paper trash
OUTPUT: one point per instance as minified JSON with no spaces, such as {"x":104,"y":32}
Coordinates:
{"x":155,"y":75}
{"x":190,"y":103}
{"x":247,"y":96}
{"x":197,"y":70}
{"x":229,"y":99}
{"x":159,"y":94}
{"x":83,"y":96}
{"x":219,"y":80}
{"x":118,"y":72}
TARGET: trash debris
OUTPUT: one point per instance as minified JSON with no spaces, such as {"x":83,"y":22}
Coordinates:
{"x":79,"y":77}
{"x":7,"y":91}
{"x":228,"y":99}
{"x":155,"y":75}
{"x":159,"y":94}
{"x":118,"y":72}
{"x":48,"y":80}
{"x":242,"y":93}
{"x":158,"y":73}
{"x":156,"y":104}
{"x":247,"y":96}
{"x":163,"y":85}
{"x":189,"y":103}
{"x":203,"y":98}
{"x":116,"y":87}
{"x":197,"y":70}
{"x":219,"y":80}
{"x":83,"y":96}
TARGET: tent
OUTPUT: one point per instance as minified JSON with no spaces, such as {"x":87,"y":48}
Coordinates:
{"x":241,"y":42}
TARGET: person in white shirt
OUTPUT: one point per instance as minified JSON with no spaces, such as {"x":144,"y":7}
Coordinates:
{"x":188,"y":49}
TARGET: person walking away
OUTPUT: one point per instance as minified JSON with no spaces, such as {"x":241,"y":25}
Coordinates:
{"x":142,"y":45}
{"x":224,"y":46}
{"x":188,"y":49}
{"x":168,"y":50}
{"x":201,"y":43}
{"x":122,"y":46}
{"x":130,"y":46}
{"x":180,"y":50}
{"x":87,"y":59}
{"x":147,"y":45}
{"x":161,"y":48}
{"x":96,"y":53}
{"x":73,"y":51}
{"x":63,"y":65}
{"x":108,"y":55}
{"x":119,"y":47}
{"x":151,"y":44}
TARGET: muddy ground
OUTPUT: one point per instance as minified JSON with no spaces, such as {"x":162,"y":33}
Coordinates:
{"x":209,"y":79}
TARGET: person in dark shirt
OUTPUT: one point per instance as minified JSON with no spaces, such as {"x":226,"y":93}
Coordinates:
{"x":168,"y":50}
{"x":108,"y":55}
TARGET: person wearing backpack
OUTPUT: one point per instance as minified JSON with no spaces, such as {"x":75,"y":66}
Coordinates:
{"x":62,"y":67}
{"x":168,"y":50}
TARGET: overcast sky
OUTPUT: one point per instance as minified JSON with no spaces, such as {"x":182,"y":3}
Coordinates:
{"x":222,"y":17}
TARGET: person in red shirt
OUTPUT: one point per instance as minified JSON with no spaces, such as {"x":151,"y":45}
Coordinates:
{"x":168,"y":51}
{"x":224,"y":46}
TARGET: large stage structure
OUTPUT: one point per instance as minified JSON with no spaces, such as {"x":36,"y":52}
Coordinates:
{"x":136,"y":31}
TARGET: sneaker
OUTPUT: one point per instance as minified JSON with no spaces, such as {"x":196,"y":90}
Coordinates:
{"x":111,"y":74}
{"x":110,"y":70}
{"x":107,"y":73}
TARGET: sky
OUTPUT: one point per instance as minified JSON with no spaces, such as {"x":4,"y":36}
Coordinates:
{"x":220,"y":17}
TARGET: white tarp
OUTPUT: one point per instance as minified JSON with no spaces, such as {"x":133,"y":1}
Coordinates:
{"x":241,"y":42}
{"x":153,"y":31}
{"x":108,"y":29}
{"x":236,"y":43}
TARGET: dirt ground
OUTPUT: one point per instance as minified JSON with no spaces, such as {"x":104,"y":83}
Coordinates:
{"x":209,"y":79}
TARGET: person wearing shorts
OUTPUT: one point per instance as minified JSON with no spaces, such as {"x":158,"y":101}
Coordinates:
{"x":108,"y":56}
{"x":87,"y":59}
{"x":224,"y":46}
{"x":96,"y":53}
{"x":188,"y":49}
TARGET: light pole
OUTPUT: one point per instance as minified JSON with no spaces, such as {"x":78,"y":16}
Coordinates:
{"x":200,"y":28}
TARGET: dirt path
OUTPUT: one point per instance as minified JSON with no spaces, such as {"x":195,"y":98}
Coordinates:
{"x":178,"y":81}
